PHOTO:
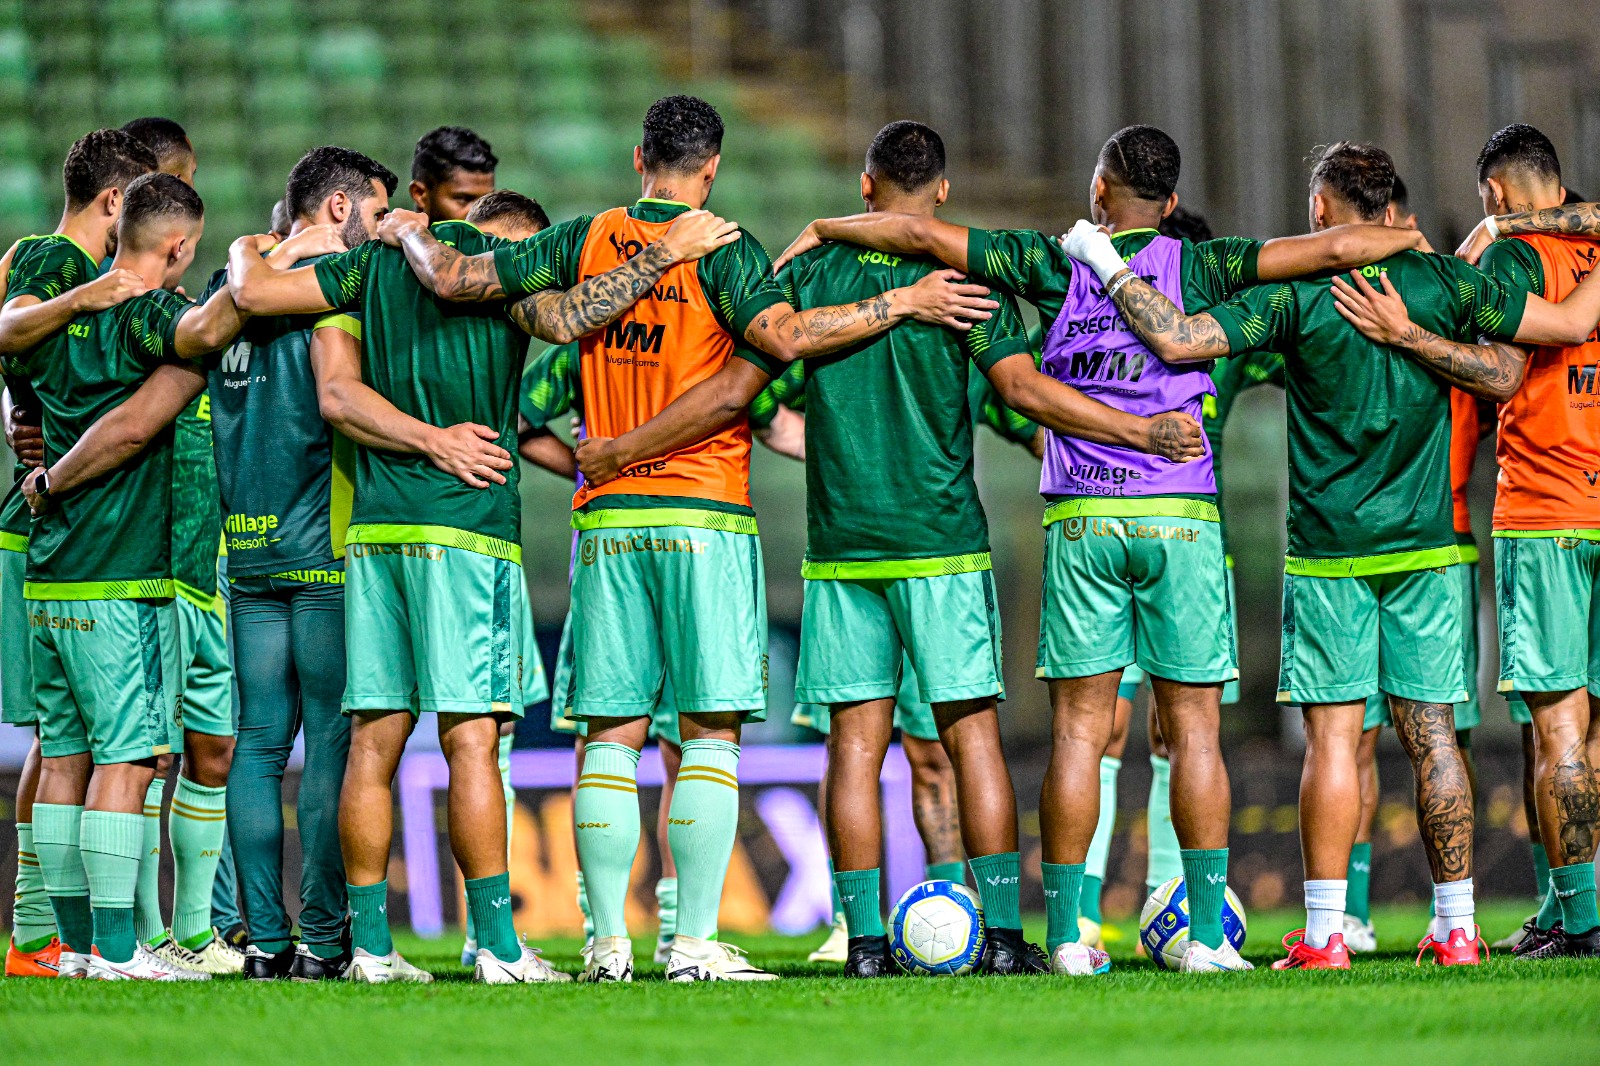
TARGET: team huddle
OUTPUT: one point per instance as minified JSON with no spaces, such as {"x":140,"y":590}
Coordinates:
{"x":342,"y":407}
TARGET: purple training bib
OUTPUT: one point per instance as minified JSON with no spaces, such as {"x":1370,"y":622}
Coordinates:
{"x":1092,"y":349}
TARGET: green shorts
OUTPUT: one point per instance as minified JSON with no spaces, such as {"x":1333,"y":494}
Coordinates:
{"x":530,"y":664}
{"x":912,"y":716}
{"x":17,"y":703}
{"x":1345,"y":638}
{"x":857,"y":635}
{"x":206,"y":703}
{"x":657,"y":603}
{"x":1151,"y":590}
{"x":433,"y":628}
{"x":1549,"y":612}
{"x":108,"y":675}
{"x":663,"y":720}
{"x":1133,"y":677}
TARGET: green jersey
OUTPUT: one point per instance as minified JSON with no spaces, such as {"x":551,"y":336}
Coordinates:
{"x":1369,"y":428}
{"x":551,"y":386}
{"x":112,"y":538}
{"x":1515,"y":264}
{"x":196,"y":505}
{"x":786,"y":390}
{"x":442,"y":363}
{"x":889,"y":482}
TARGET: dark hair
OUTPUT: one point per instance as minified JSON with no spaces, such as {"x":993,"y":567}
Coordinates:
{"x":1186,"y":225}
{"x":508,"y":203}
{"x":1360,"y":174}
{"x":324,"y":171}
{"x":1399,"y":195}
{"x":680,"y":134}
{"x":162,"y":136}
{"x":152,"y":199}
{"x":1520,"y":145}
{"x":280,"y":221}
{"x":103,"y":159}
{"x":442,"y":152}
{"x":1144,"y":159}
{"x":908,"y":155}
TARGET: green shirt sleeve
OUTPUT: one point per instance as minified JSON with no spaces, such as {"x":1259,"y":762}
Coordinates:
{"x":1261,"y":318}
{"x":1023,"y":261}
{"x":786,"y":390}
{"x":1484,"y":305}
{"x":1002,"y":335}
{"x":1217,"y":269}
{"x":342,"y":277}
{"x":1514,"y":263}
{"x":150,"y":326}
{"x":738,"y":280}
{"x":45,"y":269}
{"x":548,"y":260}
{"x":550,"y":385}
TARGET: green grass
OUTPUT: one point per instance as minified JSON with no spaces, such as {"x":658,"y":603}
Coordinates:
{"x":1383,"y":1011}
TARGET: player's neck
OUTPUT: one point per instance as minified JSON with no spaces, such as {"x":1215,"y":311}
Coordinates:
{"x":1524,"y":198}
{"x":689,"y":190}
{"x":920,"y":206}
{"x":151,"y":266}
{"x":87,"y":231}
{"x":1125,"y":216}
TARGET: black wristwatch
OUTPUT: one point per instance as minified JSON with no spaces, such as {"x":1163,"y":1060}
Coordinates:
{"x":42,"y":485}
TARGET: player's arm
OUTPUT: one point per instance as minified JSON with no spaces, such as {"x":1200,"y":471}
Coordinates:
{"x":467,"y":450}
{"x":885,"y":231}
{"x":544,"y":449}
{"x":1568,"y":220}
{"x":121,"y":433}
{"x":1336,"y":248}
{"x":210,"y":327}
{"x":259,"y":289}
{"x":24,"y":439}
{"x":309,"y":243}
{"x":785,"y":434}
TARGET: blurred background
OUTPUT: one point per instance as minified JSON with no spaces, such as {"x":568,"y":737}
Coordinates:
{"x":1024,"y":93}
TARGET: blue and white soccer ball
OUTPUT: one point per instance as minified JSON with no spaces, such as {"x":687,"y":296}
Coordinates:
{"x":936,"y":930}
{"x":1164,"y":923}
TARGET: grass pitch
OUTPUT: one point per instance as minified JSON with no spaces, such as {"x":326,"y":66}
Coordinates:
{"x":1384,"y":1010}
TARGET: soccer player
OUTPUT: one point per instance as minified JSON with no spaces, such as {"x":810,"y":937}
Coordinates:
{"x":1135,"y":569}
{"x":433,"y":549}
{"x":284,"y":477}
{"x":173,"y":151}
{"x":106,"y":642}
{"x":1545,"y":516}
{"x":451,"y":168}
{"x":1369,"y":600}
{"x":62,"y":281}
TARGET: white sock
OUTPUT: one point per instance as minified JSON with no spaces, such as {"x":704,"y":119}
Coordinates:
{"x":1324,"y":910}
{"x":1452,"y":909}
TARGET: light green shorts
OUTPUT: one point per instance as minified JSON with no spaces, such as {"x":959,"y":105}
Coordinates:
{"x":17,"y":704}
{"x":206,"y":702}
{"x":912,"y":716}
{"x":1148,"y":590}
{"x":108,"y":675}
{"x":1345,"y":638}
{"x":663,"y":720}
{"x":1468,"y":714}
{"x":856,"y":636}
{"x":433,"y":628}
{"x":1133,"y":677}
{"x":530,"y":665}
{"x":659,"y":603}
{"x":1549,"y":613}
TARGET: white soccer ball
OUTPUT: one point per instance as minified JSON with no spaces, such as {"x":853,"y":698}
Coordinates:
{"x":1164,"y":923}
{"x":937,"y":930}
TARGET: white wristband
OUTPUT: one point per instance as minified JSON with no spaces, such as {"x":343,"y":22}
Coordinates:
{"x":1493,"y":227}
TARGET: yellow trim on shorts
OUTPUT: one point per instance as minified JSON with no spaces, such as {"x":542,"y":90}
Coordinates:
{"x":155,"y":588}
{"x":1131,"y":507}
{"x":210,"y":603}
{"x":1372,"y":565}
{"x":444,"y":536}
{"x":1548,"y":534}
{"x":890,"y":569}
{"x":642,"y":517}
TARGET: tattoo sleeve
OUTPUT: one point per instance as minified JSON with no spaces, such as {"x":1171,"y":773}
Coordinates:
{"x":1174,"y":336}
{"x":448,"y":273}
{"x":1427,"y":731}
{"x":790,"y":334}
{"x":1491,"y":369}
{"x":582,"y":309}
{"x":1572,"y":220}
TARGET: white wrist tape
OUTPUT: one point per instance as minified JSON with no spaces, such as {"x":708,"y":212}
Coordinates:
{"x":1493,"y":227}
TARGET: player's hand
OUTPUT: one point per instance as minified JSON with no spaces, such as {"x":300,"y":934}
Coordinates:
{"x":309,"y":243}
{"x":694,"y":234}
{"x":1377,"y":316}
{"x":109,"y":290}
{"x":25,"y":440}
{"x":396,"y":225}
{"x":786,"y":434}
{"x":1477,"y":242}
{"x":468,"y":451}
{"x":802,"y":244}
{"x":946,"y":298}
{"x":1091,"y":245}
{"x":1175,"y":436}
{"x":599,"y":460}
{"x":30,"y":491}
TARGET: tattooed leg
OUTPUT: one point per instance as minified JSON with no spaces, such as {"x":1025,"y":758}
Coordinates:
{"x":1427,"y":732}
{"x":970,"y":733}
{"x":1564,"y":780}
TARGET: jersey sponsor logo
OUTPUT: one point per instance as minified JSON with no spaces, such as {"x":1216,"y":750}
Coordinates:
{"x":625,"y":249}
{"x":45,"y":620}
{"x":594,"y":825}
{"x":236,"y":360}
{"x":640,"y":542}
{"x":1135,"y":530}
{"x":658,"y":466}
{"x":1103,"y":364}
{"x":634,"y":337}
{"x":1580,"y":379}
{"x":680,"y":821}
{"x":670,"y":294}
{"x":1081,"y":472}
{"x":588,"y":553}
{"x":78,"y":329}
{"x":1074,"y":528}
{"x":251,"y":523}
{"x":431,"y":552}
{"x":1087,"y":327}
{"x":878,"y":259}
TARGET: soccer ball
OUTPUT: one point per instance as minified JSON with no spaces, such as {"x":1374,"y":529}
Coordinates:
{"x":1164,"y":923}
{"x":936,"y":930}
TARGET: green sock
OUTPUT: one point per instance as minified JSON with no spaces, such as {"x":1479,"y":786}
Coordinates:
{"x":33,"y":923}
{"x":703,"y":822}
{"x":999,"y":878}
{"x":369,"y":918}
{"x":1550,"y":909}
{"x":1089,"y":900}
{"x":195,"y":824}
{"x":1358,"y":877}
{"x":1574,"y":887}
{"x":858,"y":894}
{"x":489,"y":900}
{"x":1205,"y":877}
{"x":1165,"y":861}
{"x":147,"y":923}
{"x":1100,"y":846}
{"x":504,"y":765}
{"x":583,"y":908}
{"x":948,"y":871}
{"x":667,"y":906}
{"x":1063,"y":886}
{"x":1541,"y":866}
{"x":112,"y":845}
{"x":56,"y":832}
{"x":606,"y":812}
{"x":833,"y":891}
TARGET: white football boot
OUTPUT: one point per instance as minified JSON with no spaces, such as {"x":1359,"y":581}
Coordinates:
{"x":837,"y":947}
{"x":664,"y":949}
{"x":609,"y":958}
{"x":217,"y":958}
{"x":1090,"y":932}
{"x":530,"y":969}
{"x":1079,"y":960}
{"x":1359,"y":935}
{"x":1200,"y":959}
{"x":144,"y":966}
{"x":73,"y":964}
{"x":367,"y":968}
{"x":694,"y":959}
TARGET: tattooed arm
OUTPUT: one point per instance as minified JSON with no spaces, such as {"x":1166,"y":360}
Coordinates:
{"x":885,"y":231}
{"x":1492,"y":370}
{"x":1568,"y":220}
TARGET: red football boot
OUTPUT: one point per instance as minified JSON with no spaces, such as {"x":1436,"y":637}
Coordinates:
{"x":1303,"y":956}
{"x":1456,"y":950}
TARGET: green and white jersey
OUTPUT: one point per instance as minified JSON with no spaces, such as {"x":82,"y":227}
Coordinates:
{"x":1369,"y":427}
{"x":196,"y":505}
{"x":285,"y":477}
{"x":112,"y":538}
{"x":442,"y":363}
{"x":889,"y":481}
{"x":1031,"y":266}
